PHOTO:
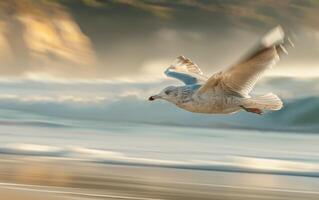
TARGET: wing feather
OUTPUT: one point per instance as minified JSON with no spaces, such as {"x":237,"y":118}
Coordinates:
{"x":186,"y":71}
{"x":242,"y":77}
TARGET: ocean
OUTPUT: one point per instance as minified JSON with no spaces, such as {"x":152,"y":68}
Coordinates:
{"x":171,"y":146}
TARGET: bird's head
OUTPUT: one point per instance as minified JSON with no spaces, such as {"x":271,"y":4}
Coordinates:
{"x":169,"y":93}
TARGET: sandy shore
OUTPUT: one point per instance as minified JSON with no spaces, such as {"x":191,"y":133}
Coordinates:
{"x":9,"y":194}
{"x":25,"y":177}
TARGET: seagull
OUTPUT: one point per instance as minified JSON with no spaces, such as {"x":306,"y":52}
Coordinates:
{"x":227,"y":91}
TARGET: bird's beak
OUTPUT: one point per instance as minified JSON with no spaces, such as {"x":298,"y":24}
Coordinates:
{"x":152,"y":98}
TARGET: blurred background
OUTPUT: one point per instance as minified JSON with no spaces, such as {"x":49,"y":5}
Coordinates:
{"x":75,"y":122}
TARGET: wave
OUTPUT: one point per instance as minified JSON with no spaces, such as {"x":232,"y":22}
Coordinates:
{"x":32,"y":150}
{"x":227,"y":164}
{"x":32,"y":123}
{"x":301,"y":112}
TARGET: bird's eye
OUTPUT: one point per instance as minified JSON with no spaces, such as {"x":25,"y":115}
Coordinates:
{"x":167,"y":92}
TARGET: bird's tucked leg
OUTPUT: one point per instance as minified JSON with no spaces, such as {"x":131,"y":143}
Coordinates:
{"x":253,"y":110}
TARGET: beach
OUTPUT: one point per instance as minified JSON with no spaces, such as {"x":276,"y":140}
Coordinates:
{"x":50,"y":178}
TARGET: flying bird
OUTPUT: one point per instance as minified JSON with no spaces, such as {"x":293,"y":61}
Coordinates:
{"x":227,"y":91}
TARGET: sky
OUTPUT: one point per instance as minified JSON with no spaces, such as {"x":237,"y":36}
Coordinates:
{"x":131,"y":40}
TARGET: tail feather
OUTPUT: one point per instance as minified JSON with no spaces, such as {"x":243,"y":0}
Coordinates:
{"x":268,"y":101}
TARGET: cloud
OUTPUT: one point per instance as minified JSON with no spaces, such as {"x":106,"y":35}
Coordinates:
{"x":42,"y":37}
{"x":158,"y":10}
{"x":5,"y":50}
{"x":122,"y":39}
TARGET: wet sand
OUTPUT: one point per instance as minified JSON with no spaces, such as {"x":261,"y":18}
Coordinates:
{"x":26,"y":177}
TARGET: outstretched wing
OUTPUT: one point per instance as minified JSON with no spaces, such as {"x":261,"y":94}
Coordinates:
{"x":186,"y":71}
{"x":242,"y":77}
